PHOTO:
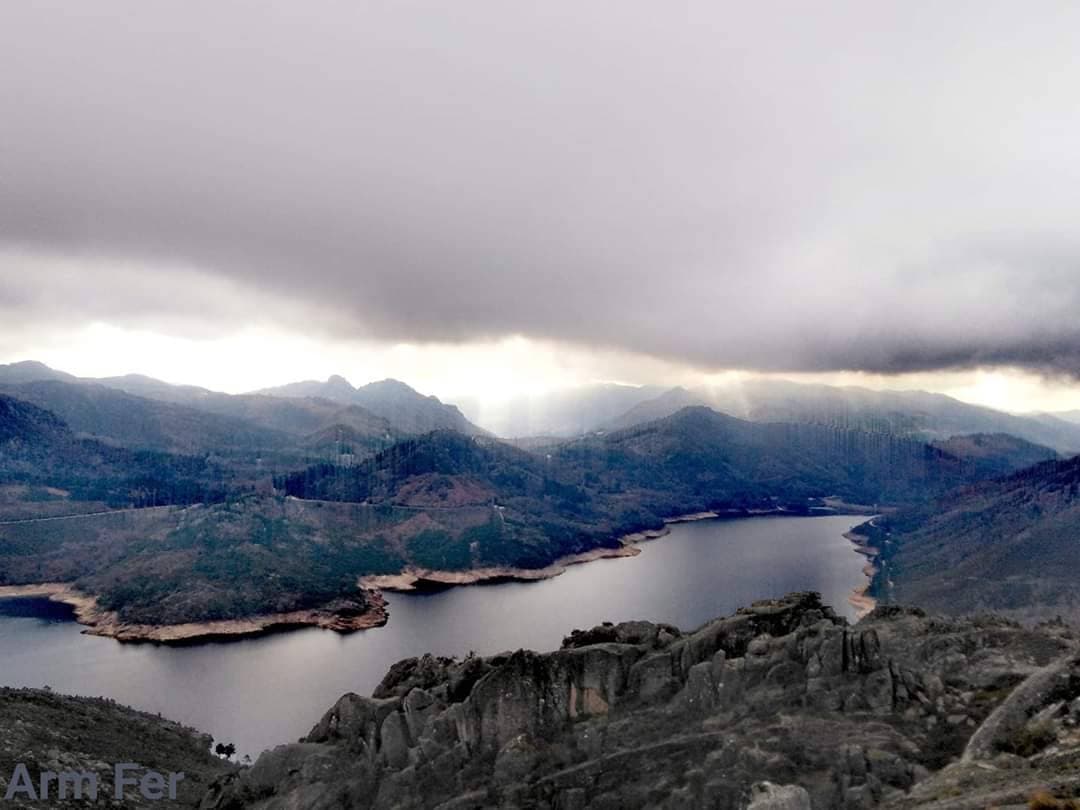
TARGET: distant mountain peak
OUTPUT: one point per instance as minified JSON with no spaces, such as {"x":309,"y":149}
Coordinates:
{"x":389,"y":383}
{"x":670,"y":402}
{"x":31,"y":365}
{"x":337,"y":382}
{"x":31,"y":371}
{"x":407,"y":410}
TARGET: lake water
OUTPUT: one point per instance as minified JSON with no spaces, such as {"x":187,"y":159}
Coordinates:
{"x":265,"y":691}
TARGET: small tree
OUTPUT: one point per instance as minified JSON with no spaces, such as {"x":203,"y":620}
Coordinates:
{"x":225,"y":750}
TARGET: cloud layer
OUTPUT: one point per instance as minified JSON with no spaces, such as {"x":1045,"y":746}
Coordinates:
{"x":852,"y":186}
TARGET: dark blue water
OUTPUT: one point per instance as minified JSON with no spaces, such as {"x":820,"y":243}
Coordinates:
{"x":266,"y":691}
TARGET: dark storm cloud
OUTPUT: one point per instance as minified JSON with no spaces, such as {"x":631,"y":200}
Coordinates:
{"x":885,"y":187}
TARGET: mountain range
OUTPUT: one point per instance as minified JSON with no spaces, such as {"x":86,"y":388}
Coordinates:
{"x":920,"y":414}
{"x":391,"y":400}
{"x":235,"y":542}
{"x":298,"y":422}
{"x":344,"y":482}
{"x":389,"y":409}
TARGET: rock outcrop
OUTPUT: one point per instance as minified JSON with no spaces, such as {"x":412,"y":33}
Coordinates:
{"x":781,"y":705}
{"x":1027,"y":751}
{"x":767,"y":796}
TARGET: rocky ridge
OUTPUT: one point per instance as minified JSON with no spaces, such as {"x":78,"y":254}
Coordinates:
{"x":782,"y":704}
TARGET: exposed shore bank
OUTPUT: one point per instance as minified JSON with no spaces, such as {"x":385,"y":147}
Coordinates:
{"x":860,"y":598}
{"x":412,"y":579}
{"x":343,"y":615}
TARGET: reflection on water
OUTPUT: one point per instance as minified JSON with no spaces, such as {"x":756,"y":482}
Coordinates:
{"x":266,"y":691}
{"x":37,"y":607}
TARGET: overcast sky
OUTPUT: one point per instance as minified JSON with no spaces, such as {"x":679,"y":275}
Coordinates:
{"x":491,"y":193}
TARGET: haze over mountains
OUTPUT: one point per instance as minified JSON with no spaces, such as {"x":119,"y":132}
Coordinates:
{"x":927,"y":415}
{"x":377,"y":412}
{"x":564,"y":413}
{"x":390,"y":399}
{"x":1068,"y":416}
{"x":303,"y":419}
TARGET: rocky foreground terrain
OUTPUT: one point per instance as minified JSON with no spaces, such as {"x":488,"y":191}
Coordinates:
{"x":782,"y":705}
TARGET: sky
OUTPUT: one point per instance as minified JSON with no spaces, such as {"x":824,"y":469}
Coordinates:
{"x":491,"y":197}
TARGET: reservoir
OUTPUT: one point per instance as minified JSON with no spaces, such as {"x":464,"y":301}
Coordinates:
{"x":265,"y":691}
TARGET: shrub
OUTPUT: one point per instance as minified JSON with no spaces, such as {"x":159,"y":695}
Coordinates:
{"x":1044,"y":800}
{"x":1031,"y":739}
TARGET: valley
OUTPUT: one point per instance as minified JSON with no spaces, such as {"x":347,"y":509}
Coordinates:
{"x":263,"y":554}
{"x":267,"y":530}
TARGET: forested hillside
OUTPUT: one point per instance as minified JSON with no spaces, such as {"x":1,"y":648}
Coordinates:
{"x":990,"y":455}
{"x":702,"y":458}
{"x":583,"y":494}
{"x":41,"y":458}
{"x":1010,"y":545}
{"x":407,"y":410}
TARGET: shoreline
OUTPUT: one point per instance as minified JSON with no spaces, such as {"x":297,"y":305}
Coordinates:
{"x":345,"y":615}
{"x":341,"y":616}
{"x":859,"y":598}
{"x":412,"y":579}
